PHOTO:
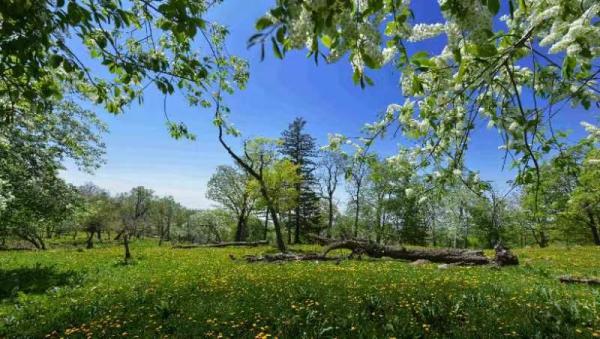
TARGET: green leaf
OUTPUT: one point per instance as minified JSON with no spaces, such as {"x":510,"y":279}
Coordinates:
{"x":369,"y":62}
{"x":326,"y":40}
{"x":281,"y":34}
{"x":55,"y":60}
{"x":276,"y":49}
{"x":483,"y":51}
{"x":493,"y":6}
{"x":568,"y":67}
{"x":420,"y":58}
{"x":356,"y":77}
{"x":263,"y":23}
{"x":391,"y":28}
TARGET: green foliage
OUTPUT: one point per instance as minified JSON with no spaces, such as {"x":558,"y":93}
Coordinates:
{"x":300,"y":149}
{"x":203,"y":293}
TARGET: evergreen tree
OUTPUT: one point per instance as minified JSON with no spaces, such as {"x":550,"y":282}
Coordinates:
{"x":300,"y":148}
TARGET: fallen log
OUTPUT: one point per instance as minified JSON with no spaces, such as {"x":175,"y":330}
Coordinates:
{"x":575,"y":280}
{"x":226,"y":244}
{"x":446,"y":255}
{"x":361,"y":247}
{"x":278,"y":257}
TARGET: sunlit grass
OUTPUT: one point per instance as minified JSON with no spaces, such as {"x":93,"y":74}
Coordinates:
{"x":202,"y":292}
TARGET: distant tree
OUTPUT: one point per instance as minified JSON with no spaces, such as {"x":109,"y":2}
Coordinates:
{"x":584,"y":204}
{"x":206,"y":226}
{"x":280,"y":179}
{"x":356,"y":176}
{"x":489,"y":216}
{"x":97,"y":212}
{"x":332,"y":166}
{"x":300,"y":148}
{"x":259,"y":153}
{"x":229,"y":187}
{"x":133,"y":209}
{"x":381,"y":179}
{"x":165,"y":212}
{"x":36,"y":206}
{"x":32,"y":149}
{"x":547,"y":200}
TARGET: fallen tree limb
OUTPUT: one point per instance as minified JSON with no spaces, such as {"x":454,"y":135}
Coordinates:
{"x":575,"y":280}
{"x":227,"y":244}
{"x":361,"y":247}
{"x":445,"y":255}
{"x":278,"y":257}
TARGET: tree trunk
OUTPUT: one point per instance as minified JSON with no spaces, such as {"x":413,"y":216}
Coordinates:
{"x":379,"y":225}
{"x":543,"y":239}
{"x":240,"y":232}
{"x":330,"y":216}
{"x":593,"y":227}
{"x":266,"y":224}
{"x":356,"y":213}
{"x":297,"y":224}
{"x":119,"y":235}
{"x":41,"y":242}
{"x":90,"y":240}
{"x":126,"y":245}
{"x":279,"y":237}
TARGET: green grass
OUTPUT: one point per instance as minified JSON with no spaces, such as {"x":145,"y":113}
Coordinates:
{"x":202,"y":292}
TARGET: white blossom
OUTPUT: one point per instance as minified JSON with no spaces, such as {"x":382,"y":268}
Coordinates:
{"x":426,"y":31}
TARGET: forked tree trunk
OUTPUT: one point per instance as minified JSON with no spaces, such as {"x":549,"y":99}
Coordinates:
{"x":90,"y":240}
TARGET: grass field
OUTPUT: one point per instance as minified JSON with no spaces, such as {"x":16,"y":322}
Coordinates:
{"x":167,"y":292}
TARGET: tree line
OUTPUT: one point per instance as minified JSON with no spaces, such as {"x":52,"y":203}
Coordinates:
{"x":513,"y":67}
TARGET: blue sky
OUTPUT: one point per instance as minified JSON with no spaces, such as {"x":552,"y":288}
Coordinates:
{"x":141,"y":152}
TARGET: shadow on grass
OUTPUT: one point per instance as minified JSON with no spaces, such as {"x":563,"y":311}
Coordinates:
{"x":33,"y":280}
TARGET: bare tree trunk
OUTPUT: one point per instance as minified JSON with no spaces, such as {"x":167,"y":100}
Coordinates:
{"x":297,"y":225}
{"x":330,"y":216}
{"x":240,"y":232}
{"x":356,"y":213}
{"x":126,"y":245}
{"x":266,"y":224}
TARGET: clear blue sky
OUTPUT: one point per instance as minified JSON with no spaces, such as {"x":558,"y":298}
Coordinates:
{"x":141,"y":152}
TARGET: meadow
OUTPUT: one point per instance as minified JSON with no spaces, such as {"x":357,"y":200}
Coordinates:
{"x":166,"y":292}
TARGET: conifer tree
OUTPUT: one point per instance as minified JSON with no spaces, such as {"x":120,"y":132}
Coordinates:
{"x":300,"y":148}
